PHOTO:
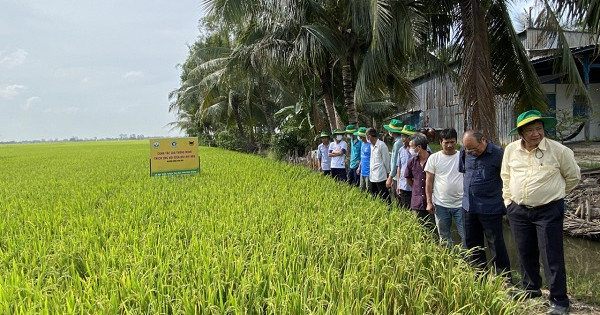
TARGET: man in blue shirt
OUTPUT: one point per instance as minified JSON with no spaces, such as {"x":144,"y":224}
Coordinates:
{"x":355,"y":145}
{"x":365,"y":156}
{"x":483,"y":205}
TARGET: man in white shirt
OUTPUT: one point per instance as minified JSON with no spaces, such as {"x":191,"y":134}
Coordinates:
{"x":380,"y":166}
{"x":444,"y":187}
{"x":323,"y":154}
{"x":337,"y":152}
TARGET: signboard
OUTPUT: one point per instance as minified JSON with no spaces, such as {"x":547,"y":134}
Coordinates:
{"x":173,"y":156}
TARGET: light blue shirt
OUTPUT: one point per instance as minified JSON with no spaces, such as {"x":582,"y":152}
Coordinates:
{"x":403,"y":157}
{"x":365,"y":157}
{"x":323,"y":151}
{"x":397,"y":145}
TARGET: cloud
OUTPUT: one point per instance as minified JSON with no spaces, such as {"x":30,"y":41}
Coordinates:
{"x":29,"y":102}
{"x":133,"y":75}
{"x":13,"y":59}
{"x":10,"y":91}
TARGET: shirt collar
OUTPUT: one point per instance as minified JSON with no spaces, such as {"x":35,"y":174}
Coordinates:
{"x":488,"y":147}
{"x":542,"y":144}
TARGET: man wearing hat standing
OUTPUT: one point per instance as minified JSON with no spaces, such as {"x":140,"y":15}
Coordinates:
{"x":337,"y":152}
{"x":404,"y":191}
{"x":394,"y":128}
{"x":323,"y":154}
{"x":364,"y":166}
{"x":537,"y":173}
{"x":380,"y":166}
{"x":355,"y":144}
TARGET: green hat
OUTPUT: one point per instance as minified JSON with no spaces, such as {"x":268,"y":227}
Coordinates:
{"x":394,"y":126}
{"x":362,"y":131}
{"x":338,"y":132}
{"x":350,"y":129}
{"x":324,"y":134}
{"x":531,"y":116}
{"x":408,"y":130}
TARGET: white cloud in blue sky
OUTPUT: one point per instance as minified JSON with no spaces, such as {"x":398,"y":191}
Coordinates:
{"x":91,"y":68}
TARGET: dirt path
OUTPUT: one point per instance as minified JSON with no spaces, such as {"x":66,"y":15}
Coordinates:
{"x":540,"y":306}
{"x":586,"y":152}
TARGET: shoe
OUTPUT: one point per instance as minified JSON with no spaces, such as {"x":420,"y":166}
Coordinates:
{"x":558,"y":310}
{"x":524,"y":294}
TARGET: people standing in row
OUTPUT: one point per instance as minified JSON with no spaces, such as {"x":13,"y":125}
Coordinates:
{"x":483,"y":206}
{"x":415,"y":177}
{"x":394,"y":128}
{"x":355,"y":145}
{"x":337,"y":152}
{"x":403,"y":190}
{"x":444,"y":187}
{"x":379,"y":166}
{"x":537,"y":173}
{"x":323,"y":154}
{"x":365,"y":157}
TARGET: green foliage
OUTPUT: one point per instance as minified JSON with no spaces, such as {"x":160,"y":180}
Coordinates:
{"x":288,"y":141}
{"x":229,"y":141}
{"x":86,"y":230}
{"x":566,"y":124}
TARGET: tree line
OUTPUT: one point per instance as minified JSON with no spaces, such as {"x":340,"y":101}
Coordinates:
{"x":274,"y":73}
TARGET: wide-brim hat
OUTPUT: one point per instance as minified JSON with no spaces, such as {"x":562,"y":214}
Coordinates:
{"x":394,"y":126}
{"x":531,"y":116}
{"x":408,"y":130}
{"x":324,"y":134}
{"x":350,"y":129}
{"x":362,"y":132}
{"x":338,"y":132}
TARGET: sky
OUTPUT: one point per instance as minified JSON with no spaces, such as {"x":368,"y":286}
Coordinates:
{"x":82,"y":68}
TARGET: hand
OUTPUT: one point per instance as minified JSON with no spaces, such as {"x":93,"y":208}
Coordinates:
{"x":430,"y":208}
{"x":388,"y":182}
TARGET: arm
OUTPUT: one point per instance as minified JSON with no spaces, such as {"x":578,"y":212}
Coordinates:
{"x":569,"y":170}
{"x":429,"y":177}
{"x":505,"y":175}
{"x":408,"y":173}
{"x":385,"y":155}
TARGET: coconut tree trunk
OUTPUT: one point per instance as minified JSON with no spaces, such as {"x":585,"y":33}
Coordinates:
{"x":476,"y":86}
{"x":234,"y":103}
{"x":335,"y":122}
{"x":348,"y":81}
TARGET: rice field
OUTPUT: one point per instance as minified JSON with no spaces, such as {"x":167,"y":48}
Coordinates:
{"x":85,"y":229}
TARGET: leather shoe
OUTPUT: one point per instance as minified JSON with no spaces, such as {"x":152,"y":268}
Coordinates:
{"x":525,"y":294}
{"x":558,"y":310}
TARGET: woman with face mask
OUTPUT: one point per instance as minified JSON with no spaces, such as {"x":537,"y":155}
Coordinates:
{"x":337,"y":152}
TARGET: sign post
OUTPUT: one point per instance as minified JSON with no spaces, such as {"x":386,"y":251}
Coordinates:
{"x":174,"y":156}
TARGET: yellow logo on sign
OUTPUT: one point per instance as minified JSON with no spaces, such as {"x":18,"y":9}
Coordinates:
{"x":171,"y":156}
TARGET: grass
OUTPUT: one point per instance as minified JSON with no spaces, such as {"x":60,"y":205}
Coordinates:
{"x":84,"y":229}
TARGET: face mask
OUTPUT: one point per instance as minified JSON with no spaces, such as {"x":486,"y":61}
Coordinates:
{"x":339,"y":137}
{"x":412,"y":152}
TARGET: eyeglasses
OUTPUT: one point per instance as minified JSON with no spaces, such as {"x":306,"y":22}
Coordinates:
{"x":475,"y":149}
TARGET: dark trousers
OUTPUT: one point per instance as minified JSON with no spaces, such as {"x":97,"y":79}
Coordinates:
{"x":378,"y":189}
{"x":339,"y":174}
{"x":353,"y":178}
{"x":327,"y":172}
{"x":405,"y":198}
{"x":477,"y":226}
{"x":540,"y":231}
{"x":427,"y":219}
